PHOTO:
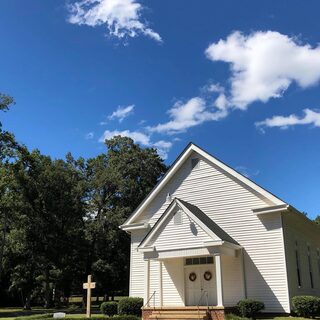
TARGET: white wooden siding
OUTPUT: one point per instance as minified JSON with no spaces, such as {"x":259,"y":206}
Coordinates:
{"x":173,"y":278}
{"x":230,"y":203}
{"x":232,"y":277}
{"x":297,"y":228}
{"x":186,"y":235}
{"x":154,"y":282}
{"x":137,"y":267}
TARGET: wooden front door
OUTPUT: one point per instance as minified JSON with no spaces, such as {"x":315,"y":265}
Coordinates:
{"x":199,"y":280}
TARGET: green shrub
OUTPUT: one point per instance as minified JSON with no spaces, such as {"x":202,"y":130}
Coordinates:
{"x":232,"y":316}
{"x":306,"y":306}
{"x":126,"y":317}
{"x":249,"y":308}
{"x":109,"y":308}
{"x":130,"y":306}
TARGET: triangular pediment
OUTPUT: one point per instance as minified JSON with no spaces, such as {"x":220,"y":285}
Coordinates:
{"x":177,"y":171}
{"x":182,"y":226}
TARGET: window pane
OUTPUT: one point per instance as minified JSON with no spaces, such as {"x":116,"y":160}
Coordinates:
{"x":195,"y":261}
{"x":209,"y":260}
{"x":188,"y":261}
{"x":203,"y":260}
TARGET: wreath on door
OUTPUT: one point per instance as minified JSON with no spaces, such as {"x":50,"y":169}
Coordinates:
{"x":207,"y":275}
{"x":192,"y":276}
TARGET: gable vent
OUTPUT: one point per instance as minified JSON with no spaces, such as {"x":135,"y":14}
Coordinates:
{"x":195,"y":163}
{"x":177,"y":218}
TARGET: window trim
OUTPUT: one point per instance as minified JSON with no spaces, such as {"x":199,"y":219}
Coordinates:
{"x":298,"y":265}
{"x":310,"y":267}
{"x":209,"y":261}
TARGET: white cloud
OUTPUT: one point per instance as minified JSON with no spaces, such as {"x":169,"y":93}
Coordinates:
{"x":310,"y":117}
{"x":264,"y":64}
{"x":137,"y":136}
{"x":247,"y":172}
{"x":121,"y":113}
{"x":163,"y":147}
{"x":89,"y":136}
{"x":122,"y":17}
{"x":216,"y":87}
{"x":187,"y":115}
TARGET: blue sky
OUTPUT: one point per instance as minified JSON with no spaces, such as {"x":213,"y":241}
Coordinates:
{"x":238,"y":78}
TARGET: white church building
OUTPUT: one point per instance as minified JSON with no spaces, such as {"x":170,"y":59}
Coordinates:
{"x":206,"y":237}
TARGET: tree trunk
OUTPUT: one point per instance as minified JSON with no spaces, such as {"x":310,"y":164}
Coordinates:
{"x":27,"y":304}
{"x":47,"y":291}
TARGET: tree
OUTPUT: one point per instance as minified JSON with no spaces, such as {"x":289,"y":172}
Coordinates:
{"x":59,"y":218}
{"x":7,"y":147}
{"x":8,"y":144}
{"x":52,"y":232}
{"x":317,"y":220}
{"x":5,"y":102}
{"x":117,"y":182}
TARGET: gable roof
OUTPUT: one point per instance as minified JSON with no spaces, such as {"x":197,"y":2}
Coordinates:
{"x":219,"y":232}
{"x":204,"y":222}
{"x":255,"y":188}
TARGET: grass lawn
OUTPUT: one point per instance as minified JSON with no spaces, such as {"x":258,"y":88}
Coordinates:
{"x":45,"y":316}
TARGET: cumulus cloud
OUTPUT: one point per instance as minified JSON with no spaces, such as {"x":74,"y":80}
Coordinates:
{"x":310,"y":117}
{"x":187,"y":115}
{"x":163,"y":147}
{"x":264,"y":64}
{"x":121,"y":17}
{"x":137,"y":136}
{"x":121,"y":113}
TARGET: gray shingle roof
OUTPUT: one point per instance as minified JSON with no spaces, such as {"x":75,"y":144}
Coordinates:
{"x":208,"y":222}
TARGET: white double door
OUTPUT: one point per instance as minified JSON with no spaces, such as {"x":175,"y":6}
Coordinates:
{"x":200,"y":281}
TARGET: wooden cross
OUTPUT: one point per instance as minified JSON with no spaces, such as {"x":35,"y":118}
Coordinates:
{"x":88,"y":286}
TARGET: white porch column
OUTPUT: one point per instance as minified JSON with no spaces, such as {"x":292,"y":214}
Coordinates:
{"x":146,"y":280}
{"x":160,"y":284}
{"x":217,"y":258}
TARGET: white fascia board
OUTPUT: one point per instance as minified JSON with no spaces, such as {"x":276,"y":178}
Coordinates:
{"x":193,"y":148}
{"x":271,"y":209}
{"x":222,"y":243}
{"x":239,"y":176}
{"x":162,"y":182}
{"x":213,"y":243}
{"x":157,"y":227}
{"x":135,"y":226}
{"x":146,"y":249}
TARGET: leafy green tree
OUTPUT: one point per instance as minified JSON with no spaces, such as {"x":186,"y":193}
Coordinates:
{"x":59,"y":218}
{"x":53,"y":224}
{"x":8,"y":144}
{"x":317,"y":220}
{"x":9,"y":149}
{"x":117,"y":182}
